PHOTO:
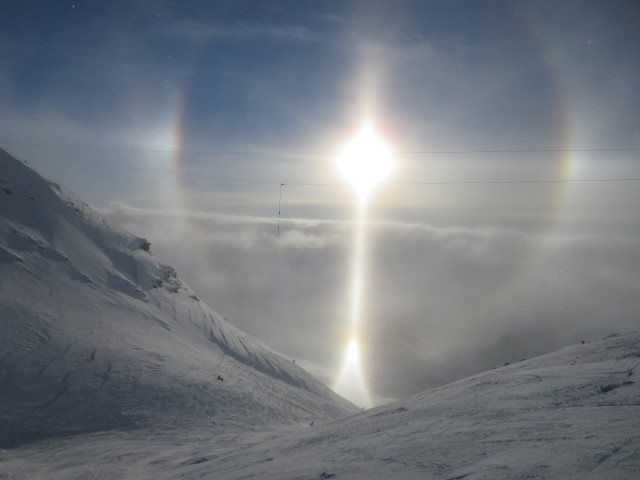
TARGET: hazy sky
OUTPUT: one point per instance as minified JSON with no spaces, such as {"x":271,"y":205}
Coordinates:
{"x":180,"y":120}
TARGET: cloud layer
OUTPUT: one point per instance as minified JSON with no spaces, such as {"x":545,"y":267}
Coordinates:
{"x":441,"y":303}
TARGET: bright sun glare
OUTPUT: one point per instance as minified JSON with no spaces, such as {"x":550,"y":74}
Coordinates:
{"x":353,"y":355}
{"x":364,"y":161}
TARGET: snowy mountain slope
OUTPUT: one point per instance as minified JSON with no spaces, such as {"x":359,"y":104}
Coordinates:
{"x":572,"y":414}
{"x":97,"y":334}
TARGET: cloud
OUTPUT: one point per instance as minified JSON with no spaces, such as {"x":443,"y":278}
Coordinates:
{"x":440,"y":304}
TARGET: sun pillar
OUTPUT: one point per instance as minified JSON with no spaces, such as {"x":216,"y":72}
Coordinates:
{"x":365,"y":161}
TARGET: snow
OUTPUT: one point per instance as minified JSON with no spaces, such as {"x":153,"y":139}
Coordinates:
{"x":573,"y":414}
{"x":109,"y":366}
{"x":97,"y":334}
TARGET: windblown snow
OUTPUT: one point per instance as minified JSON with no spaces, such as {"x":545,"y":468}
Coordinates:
{"x":111,"y":367}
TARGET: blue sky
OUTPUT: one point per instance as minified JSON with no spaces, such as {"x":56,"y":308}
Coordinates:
{"x":299,"y":77}
{"x":119,"y":100}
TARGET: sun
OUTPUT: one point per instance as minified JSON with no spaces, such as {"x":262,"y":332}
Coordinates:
{"x":365,"y":161}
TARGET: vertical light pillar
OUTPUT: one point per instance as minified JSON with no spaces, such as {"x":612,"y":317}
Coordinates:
{"x":365,"y":161}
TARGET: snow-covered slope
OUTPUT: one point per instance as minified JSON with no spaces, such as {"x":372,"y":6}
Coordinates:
{"x":97,"y":334}
{"x":573,"y":414}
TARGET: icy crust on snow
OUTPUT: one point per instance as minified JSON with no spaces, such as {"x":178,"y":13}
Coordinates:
{"x":95,"y":333}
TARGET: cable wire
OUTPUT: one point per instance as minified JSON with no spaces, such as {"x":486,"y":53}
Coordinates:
{"x":302,"y":153}
{"x":331,"y":184}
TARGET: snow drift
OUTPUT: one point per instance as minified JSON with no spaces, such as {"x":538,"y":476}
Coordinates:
{"x":97,"y":334}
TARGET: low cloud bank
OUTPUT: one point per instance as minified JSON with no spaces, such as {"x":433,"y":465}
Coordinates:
{"x":440,"y":303}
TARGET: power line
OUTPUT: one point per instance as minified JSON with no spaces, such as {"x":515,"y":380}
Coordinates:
{"x":331,"y":184}
{"x":158,"y":170}
{"x":303,"y":153}
{"x":491,"y":182}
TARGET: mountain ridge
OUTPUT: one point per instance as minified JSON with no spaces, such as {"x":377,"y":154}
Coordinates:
{"x":99,"y":334}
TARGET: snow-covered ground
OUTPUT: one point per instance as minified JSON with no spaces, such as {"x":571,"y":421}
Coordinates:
{"x":109,"y":369}
{"x":573,"y":414}
{"x":97,"y":334}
